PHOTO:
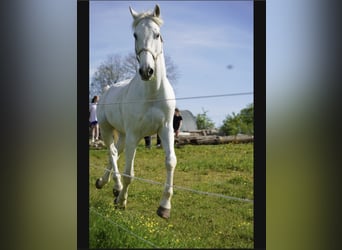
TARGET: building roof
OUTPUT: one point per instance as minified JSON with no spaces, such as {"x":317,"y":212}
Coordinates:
{"x":189,"y":121}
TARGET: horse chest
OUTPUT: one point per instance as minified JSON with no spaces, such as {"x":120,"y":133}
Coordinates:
{"x":155,"y":115}
{"x":148,"y":120}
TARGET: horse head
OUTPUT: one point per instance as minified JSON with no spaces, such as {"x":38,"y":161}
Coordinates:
{"x":148,"y":41}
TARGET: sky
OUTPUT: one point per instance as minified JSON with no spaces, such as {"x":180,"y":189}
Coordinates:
{"x":203,"y":38}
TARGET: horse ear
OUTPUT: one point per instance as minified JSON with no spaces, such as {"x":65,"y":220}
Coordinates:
{"x":156,"y":11}
{"x":133,"y":12}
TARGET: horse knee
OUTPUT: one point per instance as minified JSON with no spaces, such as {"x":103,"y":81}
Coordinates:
{"x":171,"y":163}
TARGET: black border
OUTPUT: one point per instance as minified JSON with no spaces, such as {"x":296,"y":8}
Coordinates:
{"x":259,"y":124}
{"x":82,"y":124}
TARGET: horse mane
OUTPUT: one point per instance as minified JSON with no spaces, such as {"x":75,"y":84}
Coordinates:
{"x":147,"y":15}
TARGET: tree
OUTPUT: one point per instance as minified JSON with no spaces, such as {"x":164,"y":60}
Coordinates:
{"x":203,"y":121}
{"x":239,"y":123}
{"x":231,"y":125}
{"x":117,"y":68}
{"x":172,"y":72}
{"x":130,"y":65}
{"x":109,"y":72}
{"x":247,"y":118}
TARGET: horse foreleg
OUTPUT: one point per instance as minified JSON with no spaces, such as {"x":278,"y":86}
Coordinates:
{"x":112,"y":158}
{"x":107,"y":134}
{"x":116,"y":175}
{"x":167,"y":138}
{"x":130,"y":149}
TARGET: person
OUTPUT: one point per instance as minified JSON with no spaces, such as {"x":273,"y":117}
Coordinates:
{"x":177,"y":122}
{"x":93,"y":119}
{"x":147,"y":142}
{"x":158,"y":141}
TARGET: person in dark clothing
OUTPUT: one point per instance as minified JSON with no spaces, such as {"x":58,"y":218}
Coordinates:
{"x":177,"y":122}
{"x":158,"y":141}
{"x":147,"y":141}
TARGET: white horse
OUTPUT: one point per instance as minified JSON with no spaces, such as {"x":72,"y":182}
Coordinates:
{"x":140,"y":107}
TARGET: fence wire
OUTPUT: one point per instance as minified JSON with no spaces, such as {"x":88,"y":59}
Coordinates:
{"x":180,"y":98}
{"x":184,"y":188}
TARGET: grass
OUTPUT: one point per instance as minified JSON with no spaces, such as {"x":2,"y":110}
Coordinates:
{"x":197,"y":220}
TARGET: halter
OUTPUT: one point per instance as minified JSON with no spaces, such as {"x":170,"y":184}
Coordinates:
{"x":155,"y":56}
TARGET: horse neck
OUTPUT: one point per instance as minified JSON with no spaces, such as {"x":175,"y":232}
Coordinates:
{"x":160,"y":68}
{"x":157,"y":86}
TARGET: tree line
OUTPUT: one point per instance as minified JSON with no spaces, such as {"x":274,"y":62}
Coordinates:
{"x":240,"y":123}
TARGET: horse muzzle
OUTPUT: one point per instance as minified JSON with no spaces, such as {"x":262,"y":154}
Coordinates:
{"x":146,"y":73}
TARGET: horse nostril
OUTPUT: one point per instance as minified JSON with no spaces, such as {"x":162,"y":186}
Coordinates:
{"x":150,"y":72}
{"x":145,"y":73}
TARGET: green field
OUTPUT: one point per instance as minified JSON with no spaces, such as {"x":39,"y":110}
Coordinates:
{"x":197,"y":220}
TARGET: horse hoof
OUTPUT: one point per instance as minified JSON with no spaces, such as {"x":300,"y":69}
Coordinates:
{"x":163,"y":212}
{"x":117,"y":205}
{"x":97,"y":184}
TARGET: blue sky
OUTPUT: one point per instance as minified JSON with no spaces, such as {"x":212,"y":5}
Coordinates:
{"x":202,"y":38}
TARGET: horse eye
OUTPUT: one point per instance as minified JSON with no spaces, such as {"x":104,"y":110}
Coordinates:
{"x":157,"y":36}
{"x":135,"y":36}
